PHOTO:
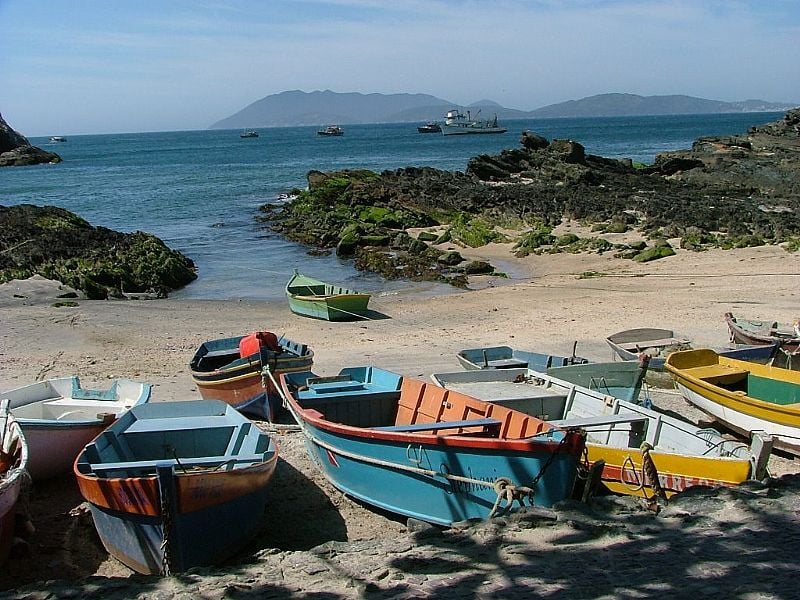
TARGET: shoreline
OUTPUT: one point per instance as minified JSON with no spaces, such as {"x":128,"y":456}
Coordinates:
{"x":546,"y":311}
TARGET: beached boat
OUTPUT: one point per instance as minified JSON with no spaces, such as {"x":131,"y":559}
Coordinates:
{"x":13,"y":465}
{"x":658,"y":343}
{"x":506,"y":357}
{"x":311,"y":297}
{"x":249,"y":134}
{"x":746,"y":397}
{"x":59,"y":417}
{"x":744,"y":331}
{"x":175,"y":485}
{"x":430,"y":127}
{"x":683,"y":454}
{"x":621,"y":380}
{"x":412,"y":448}
{"x":230,"y":369}
{"x":457,"y":123}
{"x":331,"y":130}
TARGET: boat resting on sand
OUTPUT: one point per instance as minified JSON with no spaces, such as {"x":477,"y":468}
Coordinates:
{"x":506,"y":357}
{"x":59,"y":417}
{"x":744,"y":396}
{"x":13,"y":465}
{"x":230,"y":369}
{"x":659,"y":343}
{"x":174,"y":485}
{"x":744,"y":331}
{"x":412,"y":448}
{"x":624,"y":435}
{"x":311,"y":297}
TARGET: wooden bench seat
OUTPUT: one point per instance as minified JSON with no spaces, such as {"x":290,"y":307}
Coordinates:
{"x":330,"y":387}
{"x":441,"y":425}
{"x":172,"y":424}
{"x":205,"y":461}
{"x":632,"y":346}
{"x":599,"y":420}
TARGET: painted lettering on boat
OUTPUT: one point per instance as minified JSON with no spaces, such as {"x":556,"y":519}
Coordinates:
{"x":466,"y":487}
{"x":668,"y":481}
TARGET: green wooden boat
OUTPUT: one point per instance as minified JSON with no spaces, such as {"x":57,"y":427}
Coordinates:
{"x":314,"y":298}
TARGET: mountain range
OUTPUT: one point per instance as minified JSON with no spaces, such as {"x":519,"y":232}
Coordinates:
{"x":295,"y":108}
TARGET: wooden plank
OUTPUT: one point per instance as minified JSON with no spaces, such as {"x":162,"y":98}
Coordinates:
{"x":442,"y":425}
{"x":205,"y":461}
{"x":600,"y":420}
{"x":179,"y":424}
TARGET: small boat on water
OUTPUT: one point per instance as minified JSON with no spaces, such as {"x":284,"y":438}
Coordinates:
{"x":506,"y":357}
{"x":175,"y":485}
{"x":457,"y":123}
{"x":331,"y":130}
{"x":658,"y":343}
{"x":55,"y":139}
{"x":230,"y":369}
{"x":744,"y":331}
{"x":59,"y":417}
{"x":746,"y":397}
{"x":13,"y":465}
{"x":624,"y":435}
{"x":430,"y":127}
{"x":314,"y":298}
{"x":412,"y":448}
{"x":250,"y":133}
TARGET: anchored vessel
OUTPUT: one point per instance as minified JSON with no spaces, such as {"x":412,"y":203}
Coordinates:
{"x":457,"y":123}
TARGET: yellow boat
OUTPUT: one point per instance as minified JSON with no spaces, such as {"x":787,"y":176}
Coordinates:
{"x":745,"y":396}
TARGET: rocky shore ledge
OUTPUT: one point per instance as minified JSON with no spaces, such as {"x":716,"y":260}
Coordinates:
{"x":732,"y":191}
{"x":17,"y":151}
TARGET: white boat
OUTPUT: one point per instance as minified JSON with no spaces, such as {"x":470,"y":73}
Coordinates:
{"x":249,"y":134}
{"x":684,"y":455}
{"x":331,"y":130}
{"x":457,"y":123}
{"x":58,"y":418}
{"x":13,"y":463}
{"x":57,"y":138}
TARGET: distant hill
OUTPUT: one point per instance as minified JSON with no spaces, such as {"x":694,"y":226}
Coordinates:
{"x":295,"y":108}
{"x":624,"y":105}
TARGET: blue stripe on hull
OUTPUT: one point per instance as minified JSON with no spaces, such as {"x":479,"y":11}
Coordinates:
{"x":436,"y":499}
{"x":203,"y":537}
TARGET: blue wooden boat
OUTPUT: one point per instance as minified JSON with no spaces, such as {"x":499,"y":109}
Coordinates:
{"x":174,"y":485}
{"x":418,"y":450}
{"x":621,"y":380}
{"x":230,"y":369}
{"x":505,"y":357}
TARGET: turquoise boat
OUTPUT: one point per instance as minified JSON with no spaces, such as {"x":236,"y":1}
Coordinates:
{"x":415,"y":449}
{"x":506,"y":357}
{"x":176,"y":485}
{"x":621,"y":380}
{"x":311,"y":297}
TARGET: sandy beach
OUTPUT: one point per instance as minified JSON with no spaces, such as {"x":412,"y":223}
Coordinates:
{"x":318,"y":541}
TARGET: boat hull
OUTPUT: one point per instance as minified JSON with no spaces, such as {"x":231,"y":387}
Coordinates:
{"x":461,"y":130}
{"x":13,"y":466}
{"x":335,"y":308}
{"x":180,"y":485}
{"x":505,"y":357}
{"x":737,"y":409}
{"x":762,"y":332}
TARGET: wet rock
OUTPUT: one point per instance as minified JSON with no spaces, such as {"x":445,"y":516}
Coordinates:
{"x":17,"y":151}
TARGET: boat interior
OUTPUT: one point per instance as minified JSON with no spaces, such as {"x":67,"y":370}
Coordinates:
{"x":71,"y":410}
{"x":371,"y":398}
{"x":229,"y":358}
{"x":135,"y":447}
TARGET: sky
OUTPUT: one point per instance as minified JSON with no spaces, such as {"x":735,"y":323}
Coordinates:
{"x":106,"y":66}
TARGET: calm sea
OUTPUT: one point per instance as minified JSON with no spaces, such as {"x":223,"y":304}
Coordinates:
{"x":199,"y":191}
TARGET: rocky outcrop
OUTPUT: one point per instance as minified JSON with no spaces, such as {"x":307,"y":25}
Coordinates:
{"x":731,"y":191}
{"x":102,"y":263}
{"x":16,"y":150}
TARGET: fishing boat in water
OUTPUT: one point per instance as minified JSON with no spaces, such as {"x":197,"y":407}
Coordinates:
{"x":457,"y":123}
{"x":59,"y":417}
{"x":625,"y":435}
{"x":13,"y":465}
{"x":746,"y":397}
{"x":230,"y":369}
{"x":250,"y":133}
{"x":430,"y":127}
{"x":311,"y":297}
{"x":331,"y":131}
{"x":176,"y":485}
{"x":506,"y":357}
{"x":414,"y":449}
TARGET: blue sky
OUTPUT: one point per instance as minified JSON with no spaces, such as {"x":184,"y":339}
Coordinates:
{"x":93,"y":66}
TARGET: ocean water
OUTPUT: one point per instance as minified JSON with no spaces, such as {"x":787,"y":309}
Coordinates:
{"x":200,"y":191}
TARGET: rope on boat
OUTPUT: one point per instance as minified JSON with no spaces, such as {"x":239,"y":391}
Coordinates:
{"x":503,"y":486}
